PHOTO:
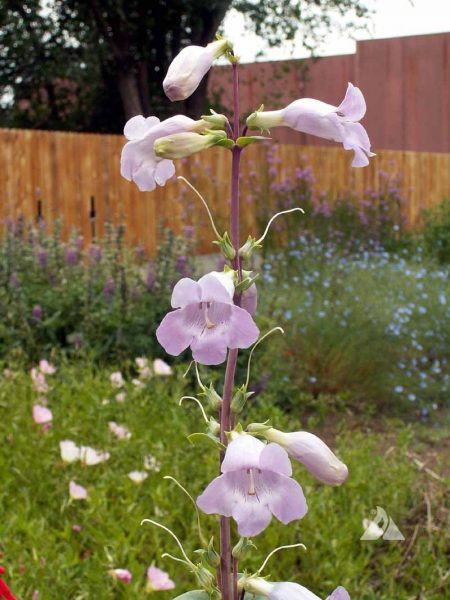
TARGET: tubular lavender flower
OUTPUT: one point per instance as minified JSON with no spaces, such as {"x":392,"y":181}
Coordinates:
{"x":214,"y":318}
{"x":337,"y":123}
{"x":313,"y":453}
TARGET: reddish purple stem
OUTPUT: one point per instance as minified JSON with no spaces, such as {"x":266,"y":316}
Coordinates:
{"x":228,"y":565}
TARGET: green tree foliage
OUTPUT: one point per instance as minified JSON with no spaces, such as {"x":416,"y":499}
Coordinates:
{"x":70,"y":64}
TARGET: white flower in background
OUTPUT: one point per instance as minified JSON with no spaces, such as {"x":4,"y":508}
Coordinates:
{"x":143,"y":367}
{"x":39,"y":382}
{"x":151,"y":463}
{"x":46,"y":367}
{"x":77,"y":492}
{"x":69,"y":451}
{"x":121,"y":432}
{"x":161,"y":368}
{"x":117,"y":379}
{"x":138,"y":477}
{"x":89,"y":456}
{"x":120,"y":397}
{"x":137,"y":383}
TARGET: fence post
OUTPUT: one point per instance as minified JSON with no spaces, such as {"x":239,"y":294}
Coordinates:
{"x":92,"y":219}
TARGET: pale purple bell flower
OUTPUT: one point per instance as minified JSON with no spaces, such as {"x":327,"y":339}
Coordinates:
{"x":255,"y":484}
{"x":207,"y":320}
{"x":138,"y":161}
{"x":337,"y":123}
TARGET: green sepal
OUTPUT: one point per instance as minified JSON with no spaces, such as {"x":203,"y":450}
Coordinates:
{"x":260,"y":428}
{"x":249,"y":247}
{"x":215,"y":120}
{"x":226,"y":247}
{"x":242,"y":548}
{"x":242,"y":142}
{"x":194,"y":437}
{"x":240,"y":399}
{"x":225,"y":143}
{"x":243,"y":285}
{"x":212,"y":397}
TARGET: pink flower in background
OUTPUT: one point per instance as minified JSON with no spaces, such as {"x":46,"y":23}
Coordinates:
{"x":255,"y":484}
{"x":161,"y":368}
{"x":121,"y":397}
{"x":139,"y":162}
{"x":206,"y":320}
{"x":337,"y":123}
{"x":42,"y":414}
{"x":117,"y":380}
{"x":189,"y":67}
{"x":46,"y":367}
{"x":121,"y":432}
{"x":69,"y":451}
{"x":39,"y":382}
{"x":123,"y":575}
{"x":158,"y":580}
{"x":77,"y":492}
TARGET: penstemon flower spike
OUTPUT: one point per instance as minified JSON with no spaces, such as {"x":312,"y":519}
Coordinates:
{"x":214,"y":318}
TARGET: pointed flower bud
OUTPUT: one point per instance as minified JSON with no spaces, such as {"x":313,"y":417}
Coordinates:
{"x":180,"y":145}
{"x":243,"y":548}
{"x":189,"y":67}
{"x":211,"y":554}
{"x":337,"y":123}
{"x":314,"y":454}
{"x":215,"y":120}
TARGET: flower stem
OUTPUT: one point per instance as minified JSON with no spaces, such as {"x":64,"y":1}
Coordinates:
{"x":228,"y":566}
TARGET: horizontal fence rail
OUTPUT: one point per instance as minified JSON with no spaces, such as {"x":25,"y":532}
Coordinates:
{"x":75,"y":177}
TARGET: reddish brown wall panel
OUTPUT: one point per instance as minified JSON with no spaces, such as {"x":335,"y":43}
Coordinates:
{"x":406,"y":83}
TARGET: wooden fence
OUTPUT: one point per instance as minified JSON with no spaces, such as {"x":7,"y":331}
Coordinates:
{"x":76,"y":178}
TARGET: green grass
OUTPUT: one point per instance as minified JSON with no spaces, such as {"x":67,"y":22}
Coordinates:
{"x":42,"y":551}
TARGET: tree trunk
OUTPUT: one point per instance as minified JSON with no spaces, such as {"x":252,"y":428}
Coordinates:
{"x":129,"y":93}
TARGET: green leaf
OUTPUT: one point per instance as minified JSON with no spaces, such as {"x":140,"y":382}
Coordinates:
{"x":195,"y":437}
{"x":194,"y":595}
{"x":225,"y":143}
{"x":250,"y":139}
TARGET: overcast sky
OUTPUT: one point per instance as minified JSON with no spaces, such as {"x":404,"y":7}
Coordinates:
{"x":392,"y":18}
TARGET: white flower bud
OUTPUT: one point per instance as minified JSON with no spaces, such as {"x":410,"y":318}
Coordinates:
{"x":189,"y":67}
{"x":180,"y":145}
